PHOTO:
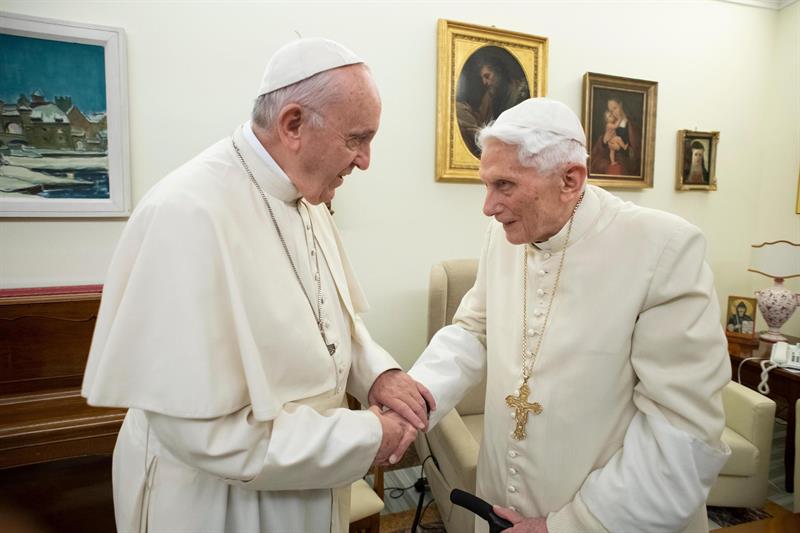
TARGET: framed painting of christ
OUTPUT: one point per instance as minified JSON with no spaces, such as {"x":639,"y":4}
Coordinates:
{"x":482,"y":71}
{"x":63,"y":119}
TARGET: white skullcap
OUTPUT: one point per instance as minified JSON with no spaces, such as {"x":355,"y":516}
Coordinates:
{"x":541,"y":116}
{"x":302,"y":59}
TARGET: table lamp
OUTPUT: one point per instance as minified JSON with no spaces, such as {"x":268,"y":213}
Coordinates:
{"x":778,"y":260}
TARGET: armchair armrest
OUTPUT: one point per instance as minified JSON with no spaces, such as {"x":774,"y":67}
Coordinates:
{"x":455,"y":450}
{"x":747,"y":412}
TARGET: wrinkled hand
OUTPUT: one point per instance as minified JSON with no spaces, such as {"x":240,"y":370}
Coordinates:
{"x":398,"y":434}
{"x":521,"y":524}
{"x":401,"y":393}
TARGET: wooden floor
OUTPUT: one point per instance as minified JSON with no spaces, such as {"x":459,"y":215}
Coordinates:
{"x":59,"y":497}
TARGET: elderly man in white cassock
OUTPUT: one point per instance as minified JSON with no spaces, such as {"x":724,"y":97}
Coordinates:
{"x":597,"y":326}
{"x":230,"y":326}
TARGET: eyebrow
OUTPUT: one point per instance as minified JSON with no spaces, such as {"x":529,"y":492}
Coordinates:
{"x":362,"y":133}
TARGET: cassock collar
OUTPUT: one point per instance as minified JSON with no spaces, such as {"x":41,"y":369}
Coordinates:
{"x":584,"y":219}
{"x":265,"y":170}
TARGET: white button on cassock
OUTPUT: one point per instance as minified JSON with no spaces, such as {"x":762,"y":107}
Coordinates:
{"x":512,"y":471}
{"x":540,"y":292}
{"x":512,"y":488}
{"x":512,"y":454}
{"x":531,"y":332}
{"x":513,"y":508}
{"x":542,"y":272}
{"x":538,"y":312}
{"x":547,"y":256}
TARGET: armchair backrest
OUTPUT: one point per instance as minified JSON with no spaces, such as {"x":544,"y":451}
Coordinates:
{"x":449,"y":281}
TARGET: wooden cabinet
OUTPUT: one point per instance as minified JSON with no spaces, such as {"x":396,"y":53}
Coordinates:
{"x":55,"y":450}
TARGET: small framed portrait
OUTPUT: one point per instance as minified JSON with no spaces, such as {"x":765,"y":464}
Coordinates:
{"x":740,"y":319}
{"x":696,"y":168}
{"x":619,"y":117}
{"x":482,"y":72}
{"x":63,"y":120}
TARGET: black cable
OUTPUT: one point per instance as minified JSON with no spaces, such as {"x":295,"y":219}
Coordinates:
{"x":421,"y":485}
{"x":398,"y":492}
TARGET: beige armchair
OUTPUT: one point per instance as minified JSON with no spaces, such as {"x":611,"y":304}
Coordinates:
{"x":797,"y":461}
{"x":749,"y":424}
{"x":366,"y":505}
{"x":454,"y":442}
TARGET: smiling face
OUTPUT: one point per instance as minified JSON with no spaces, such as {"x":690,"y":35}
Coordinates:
{"x":530,"y":206}
{"x":330,"y":152}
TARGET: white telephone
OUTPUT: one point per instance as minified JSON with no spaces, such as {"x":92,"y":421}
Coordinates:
{"x":786,"y":355}
{"x":783,"y":355}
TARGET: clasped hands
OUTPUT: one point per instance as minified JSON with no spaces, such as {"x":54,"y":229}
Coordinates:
{"x":399,"y":402}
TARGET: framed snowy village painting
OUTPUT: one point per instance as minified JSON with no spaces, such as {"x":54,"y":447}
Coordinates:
{"x":63,"y":119}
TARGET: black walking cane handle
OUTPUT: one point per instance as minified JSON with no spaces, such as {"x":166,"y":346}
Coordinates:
{"x":481,"y":508}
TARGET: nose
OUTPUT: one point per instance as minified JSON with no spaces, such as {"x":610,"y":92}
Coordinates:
{"x":490,"y":206}
{"x":363,"y":156}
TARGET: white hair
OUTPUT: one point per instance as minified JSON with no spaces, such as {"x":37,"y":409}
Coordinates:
{"x":543,"y":150}
{"x":312,"y":93}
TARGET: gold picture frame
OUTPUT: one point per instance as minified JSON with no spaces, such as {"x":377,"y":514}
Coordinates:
{"x":797,"y":205}
{"x":619,"y":117}
{"x":741,"y":325}
{"x":481,"y":72}
{"x":696,"y":166}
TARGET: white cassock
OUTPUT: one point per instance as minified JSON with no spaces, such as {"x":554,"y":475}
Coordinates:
{"x":629,"y":373}
{"x":235,"y":420}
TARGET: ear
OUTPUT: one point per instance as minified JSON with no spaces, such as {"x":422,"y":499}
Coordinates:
{"x":572,"y":181}
{"x":289,"y":124}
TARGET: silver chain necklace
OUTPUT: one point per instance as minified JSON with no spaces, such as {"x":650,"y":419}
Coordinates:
{"x":318,"y":312}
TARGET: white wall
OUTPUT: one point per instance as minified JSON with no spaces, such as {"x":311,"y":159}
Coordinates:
{"x":194,"y":67}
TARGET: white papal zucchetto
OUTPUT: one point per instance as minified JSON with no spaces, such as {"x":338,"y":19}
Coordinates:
{"x":542,"y":115}
{"x":302,"y":59}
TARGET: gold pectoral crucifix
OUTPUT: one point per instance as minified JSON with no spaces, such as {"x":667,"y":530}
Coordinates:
{"x":521,"y":409}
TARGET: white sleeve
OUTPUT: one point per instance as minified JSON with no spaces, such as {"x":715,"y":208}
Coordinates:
{"x":370,"y":360}
{"x":453,"y":362}
{"x":299,"y":449}
{"x":672,"y":450}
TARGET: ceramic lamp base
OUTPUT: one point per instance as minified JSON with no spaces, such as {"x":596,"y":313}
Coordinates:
{"x":772,"y":336}
{"x":776,"y":303}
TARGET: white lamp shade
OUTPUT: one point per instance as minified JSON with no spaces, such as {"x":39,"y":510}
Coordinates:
{"x":778,"y":259}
